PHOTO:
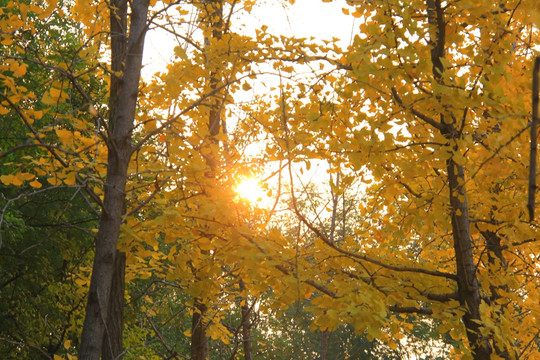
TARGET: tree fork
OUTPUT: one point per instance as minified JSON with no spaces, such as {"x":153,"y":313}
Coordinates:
{"x":468,"y":286}
{"x":119,"y":155}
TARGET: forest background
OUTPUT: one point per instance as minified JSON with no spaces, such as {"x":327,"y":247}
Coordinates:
{"x":124,"y":232}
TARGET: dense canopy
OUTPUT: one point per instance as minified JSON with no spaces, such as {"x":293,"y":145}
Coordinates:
{"x":250,"y":194}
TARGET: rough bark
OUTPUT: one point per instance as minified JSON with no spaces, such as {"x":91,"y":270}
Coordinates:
{"x":468,"y":286}
{"x":118,"y":23}
{"x":112,"y":341}
{"x":119,"y":155}
{"x":246,"y":325}
{"x":199,"y":340}
{"x":324,"y":345}
{"x":496,"y":262}
{"x":246,"y":332}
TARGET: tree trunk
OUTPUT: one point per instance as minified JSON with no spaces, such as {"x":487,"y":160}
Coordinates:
{"x":246,"y":332}
{"x":468,"y":286}
{"x":497,"y":263}
{"x":199,"y":340}
{"x":119,"y":155}
{"x":213,"y":14}
{"x":112,"y":341}
{"x":246,"y":325}
{"x":324,"y":345}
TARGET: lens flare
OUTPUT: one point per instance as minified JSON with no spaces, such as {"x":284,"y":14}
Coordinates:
{"x":251,"y":190}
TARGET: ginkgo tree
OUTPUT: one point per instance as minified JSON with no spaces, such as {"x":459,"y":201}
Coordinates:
{"x":433,"y":109}
{"x":133,"y":150}
{"x":209,"y":232}
{"x":71,"y":151}
{"x":429,"y":109}
{"x":46,"y":224}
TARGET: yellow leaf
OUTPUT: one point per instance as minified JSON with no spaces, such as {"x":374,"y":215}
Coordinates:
{"x":20,"y":71}
{"x":214,"y":331}
{"x":48,"y":99}
{"x":92,"y":110}
{"x":6,"y":179}
{"x":129,"y":231}
{"x":288,"y":69}
{"x":38,"y":114}
{"x":54,"y":181}
{"x":81,"y":282}
{"x":373,"y":333}
{"x":180,"y":52}
{"x":55,"y":93}
{"x":36,"y":184}
{"x":23,"y":8}
{"x":70,"y":179}
{"x":3,"y":110}
{"x":67,"y":344}
{"x":455,"y":334}
{"x":48,"y":11}
{"x":317,"y":87}
{"x":7,"y":42}
{"x":64,"y":134}
{"x":357,"y":13}
{"x":205,"y":244}
{"x":26,"y":176}
{"x":16,"y":181}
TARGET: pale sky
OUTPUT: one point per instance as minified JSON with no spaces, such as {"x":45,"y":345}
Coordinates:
{"x":303,"y":19}
{"x":308,"y":18}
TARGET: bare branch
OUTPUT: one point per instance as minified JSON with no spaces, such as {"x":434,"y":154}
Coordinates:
{"x":21,"y":344}
{"x":411,"y":310}
{"x":29,"y":145}
{"x":174,"y":353}
{"x":437,"y":125}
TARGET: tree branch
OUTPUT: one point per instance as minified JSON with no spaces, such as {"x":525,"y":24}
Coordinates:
{"x":531,"y":203}
{"x":410,"y":310}
{"x":437,"y":125}
{"x":21,"y":344}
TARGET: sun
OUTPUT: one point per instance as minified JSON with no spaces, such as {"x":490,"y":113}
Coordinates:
{"x":250,"y":189}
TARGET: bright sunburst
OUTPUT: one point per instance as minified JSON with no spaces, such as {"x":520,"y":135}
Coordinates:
{"x":251,"y":190}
